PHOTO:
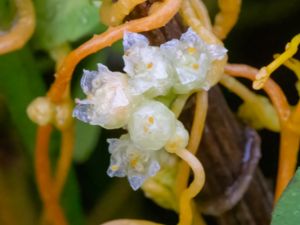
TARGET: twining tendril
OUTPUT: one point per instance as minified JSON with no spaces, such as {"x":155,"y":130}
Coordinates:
{"x":289,"y":141}
{"x":112,"y":12}
{"x":21,"y":30}
{"x":227,"y":17}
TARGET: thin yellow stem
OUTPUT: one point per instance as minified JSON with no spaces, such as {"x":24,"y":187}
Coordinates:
{"x":189,"y":16}
{"x":238,"y":88}
{"x":256,"y":109}
{"x":201,"y":105}
{"x":185,"y":208}
{"x":179,"y":104}
{"x":265,"y":72}
{"x":22,"y":29}
{"x":227,"y":17}
{"x":202,"y":13}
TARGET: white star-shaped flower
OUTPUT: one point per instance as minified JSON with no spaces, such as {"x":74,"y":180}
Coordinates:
{"x":108,"y":103}
{"x":131,"y":161}
{"x":149,"y":71}
{"x":191,"y":58}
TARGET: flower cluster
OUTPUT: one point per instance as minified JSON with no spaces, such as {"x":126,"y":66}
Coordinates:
{"x":128,"y":100}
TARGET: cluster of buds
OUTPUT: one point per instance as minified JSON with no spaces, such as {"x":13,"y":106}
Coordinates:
{"x":42,"y":111}
{"x":130,"y":100}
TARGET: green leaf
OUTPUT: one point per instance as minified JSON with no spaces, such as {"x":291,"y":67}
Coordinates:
{"x":20,"y":83}
{"x":86,"y":140}
{"x":287,"y":211}
{"x":62,"y":21}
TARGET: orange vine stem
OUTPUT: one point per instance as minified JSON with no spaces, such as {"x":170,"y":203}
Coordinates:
{"x":155,"y":20}
{"x":44,"y":179}
{"x":272,"y":89}
{"x":289,"y":141}
{"x":112,"y":13}
{"x":288,"y":155}
{"x":65,"y":159}
{"x":22,"y":30}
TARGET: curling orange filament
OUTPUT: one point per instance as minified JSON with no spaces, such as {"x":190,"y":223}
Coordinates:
{"x":112,"y":13}
{"x":185,"y":204}
{"x":44,"y":180}
{"x":289,"y":141}
{"x":22,"y":30}
{"x":227,"y":17}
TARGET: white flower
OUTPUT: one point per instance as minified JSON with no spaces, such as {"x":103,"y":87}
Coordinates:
{"x":150,"y":72}
{"x":128,"y":160}
{"x":109,"y":102}
{"x":151,"y":125}
{"x":179,"y":139}
{"x":192,"y":59}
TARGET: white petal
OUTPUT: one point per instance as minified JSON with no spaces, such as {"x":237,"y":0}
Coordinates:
{"x":120,"y":99}
{"x":186,"y":75}
{"x":216,"y":51}
{"x":191,"y":37}
{"x":136,"y":181}
{"x":134,"y":39}
{"x":103,"y":69}
{"x":170,"y":45}
{"x":81,"y":112}
{"x":153,"y":168}
{"x":86,"y":81}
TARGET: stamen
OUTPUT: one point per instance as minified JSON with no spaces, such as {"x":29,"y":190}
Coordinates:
{"x":149,"y":65}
